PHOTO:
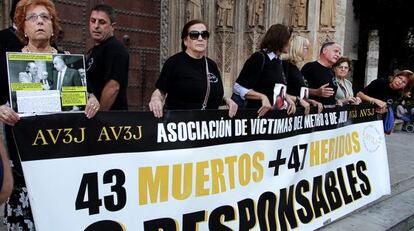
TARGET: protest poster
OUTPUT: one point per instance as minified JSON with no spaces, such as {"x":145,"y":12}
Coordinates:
{"x":46,"y":82}
{"x":200,"y":170}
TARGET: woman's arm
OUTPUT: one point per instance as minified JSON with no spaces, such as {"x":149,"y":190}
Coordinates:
{"x":266,"y":106}
{"x":381,"y":105}
{"x":156,"y":104}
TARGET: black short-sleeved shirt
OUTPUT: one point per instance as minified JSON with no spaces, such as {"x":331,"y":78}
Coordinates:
{"x":380,"y":89}
{"x":295,"y":79}
{"x":263,"y":81}
{"x":184,"y":79}
{"x":317,"y":75}
{"x":108,"y":61}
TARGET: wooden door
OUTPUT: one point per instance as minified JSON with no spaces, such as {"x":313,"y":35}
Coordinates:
{"x":138,"y":26}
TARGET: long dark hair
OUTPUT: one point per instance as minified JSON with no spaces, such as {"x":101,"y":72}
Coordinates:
{"x":184,"y":32}
{"x":276,"y":37}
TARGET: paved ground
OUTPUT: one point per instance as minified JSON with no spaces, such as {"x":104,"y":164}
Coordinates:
{"x":395,"y":212}
{"x":400,"y":146}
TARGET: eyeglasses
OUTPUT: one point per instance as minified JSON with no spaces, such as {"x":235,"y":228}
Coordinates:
{"x":401,"y":80}
{"x":34,"y":17}
{"x":343,"y":67}
{"x":194,"y":35}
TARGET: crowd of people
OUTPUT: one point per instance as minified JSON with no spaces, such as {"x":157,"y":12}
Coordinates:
{"x":270,"y":79}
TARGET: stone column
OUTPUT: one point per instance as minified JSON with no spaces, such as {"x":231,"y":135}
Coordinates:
{"x":4,"y":15}
{"x":371,"y":69}
{"x":165,"y":39}
{"x":313,"y":27}
{"x":340,"y":27}
{"x":225,"y":42}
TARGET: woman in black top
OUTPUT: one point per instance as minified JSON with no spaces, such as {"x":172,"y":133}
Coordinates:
{"x":379,"y":91}
{"x":296,"y":82}
{"x":263,"y":69}
{"x":188,"y":79}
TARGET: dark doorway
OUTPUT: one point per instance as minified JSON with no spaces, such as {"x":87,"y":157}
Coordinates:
{"x":393,"y":19}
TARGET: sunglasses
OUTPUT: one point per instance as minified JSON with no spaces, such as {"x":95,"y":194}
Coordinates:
{"x":194,"y":35}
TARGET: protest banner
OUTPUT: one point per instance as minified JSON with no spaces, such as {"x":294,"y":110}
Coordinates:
{"x":200,"y":170}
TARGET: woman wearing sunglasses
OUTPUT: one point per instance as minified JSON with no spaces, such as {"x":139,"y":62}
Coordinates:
{"x":188,"y":79}
{"x":263,"y":70}
{"x":381,"y":90}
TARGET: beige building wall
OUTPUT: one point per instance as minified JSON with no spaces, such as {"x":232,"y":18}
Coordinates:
{"x":234,"y":39}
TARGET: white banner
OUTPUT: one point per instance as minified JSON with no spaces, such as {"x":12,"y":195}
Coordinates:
{"x":297,"y":182}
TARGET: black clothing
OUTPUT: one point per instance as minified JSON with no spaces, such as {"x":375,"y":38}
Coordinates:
{"x":252,"y":77}
{"x":317,"y":75}
{"x":183,"y":78}
{"x":108,"y":61}
{"x":8,"y":42}
{"x":17,"y":212}
{"x":295,"y":79}
{"x":380,"y":89}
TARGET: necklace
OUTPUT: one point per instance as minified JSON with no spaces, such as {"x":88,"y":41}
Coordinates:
{"x":50,"y":49}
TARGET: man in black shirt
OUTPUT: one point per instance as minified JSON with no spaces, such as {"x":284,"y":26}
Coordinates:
{"x":108,"y":62}
{"x":320,"y":76}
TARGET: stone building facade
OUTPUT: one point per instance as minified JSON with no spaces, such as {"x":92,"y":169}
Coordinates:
{"x":151,"y":31}
{"x":237,"y":27}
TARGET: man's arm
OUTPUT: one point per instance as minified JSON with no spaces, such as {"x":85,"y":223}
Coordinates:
{"x":109,"y":94}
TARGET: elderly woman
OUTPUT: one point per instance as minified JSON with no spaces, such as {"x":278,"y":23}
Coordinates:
{"x":381,"y":90}
{"x":296,"y":83}
{"x":37,"y":26}
{"x":263,"y":70}
{"x":188,"y":79}
{"x":344,"y":94}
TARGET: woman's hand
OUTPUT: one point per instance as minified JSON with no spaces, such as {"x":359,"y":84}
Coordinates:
{"x":316,"y":104}
{"x":8,"y":115}
{"x":381,"y":106}
{"x":354,"y":100}
{"x":266,"y":106}
{"x":305,"y":105}
{"x":92,"y":106}
{"x":291,"y":107}
{"x":358,"y":100}
{"x":156,"y":104}
{"x":232,"y":106}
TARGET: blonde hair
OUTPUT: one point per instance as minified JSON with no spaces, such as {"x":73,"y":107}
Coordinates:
{"x":295,"y":55}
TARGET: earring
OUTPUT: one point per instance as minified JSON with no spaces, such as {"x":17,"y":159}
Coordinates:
{"x":53,"y":34}
{"x":25,"y":35}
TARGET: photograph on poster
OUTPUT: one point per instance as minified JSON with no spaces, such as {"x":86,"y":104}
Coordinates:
{"x":46,"y":82}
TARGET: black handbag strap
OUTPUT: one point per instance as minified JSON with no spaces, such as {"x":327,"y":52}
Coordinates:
{"x":204,"y":106}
